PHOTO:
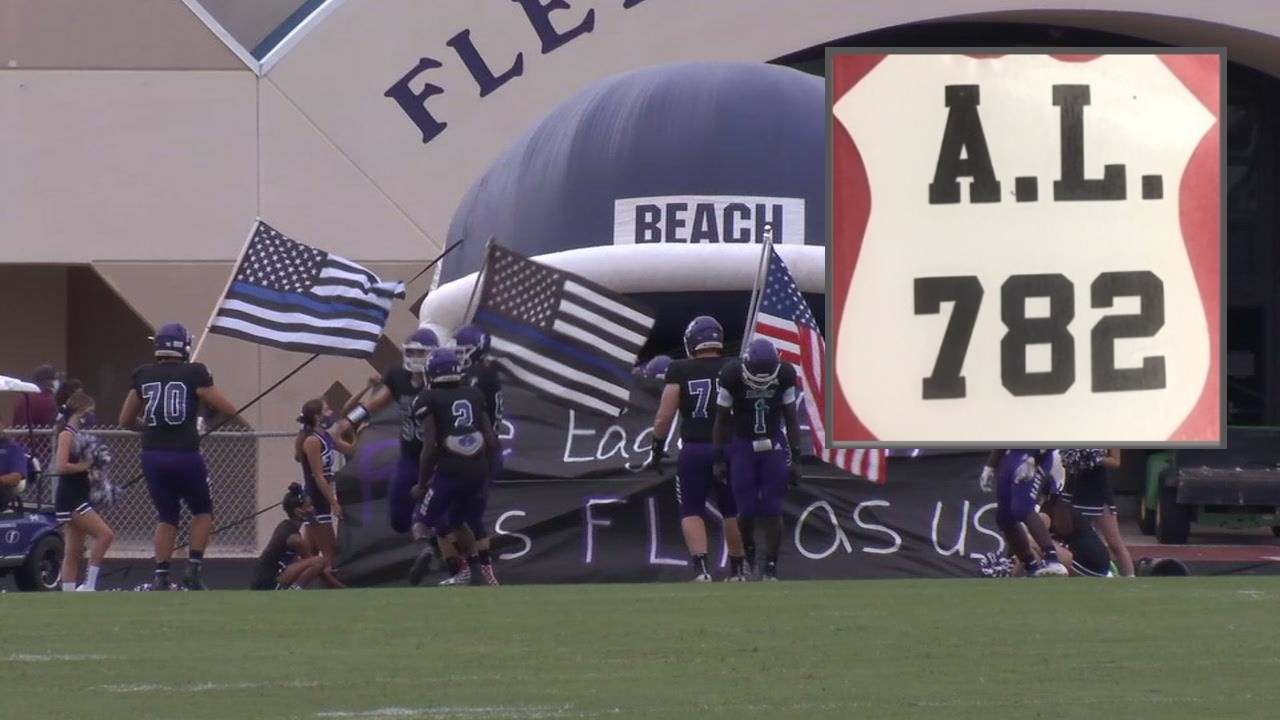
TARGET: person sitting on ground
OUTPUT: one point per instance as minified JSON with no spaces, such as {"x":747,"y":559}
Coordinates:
{"x":287,"y":562}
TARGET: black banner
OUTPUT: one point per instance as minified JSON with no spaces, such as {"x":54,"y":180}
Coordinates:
{"x":575,"y":504}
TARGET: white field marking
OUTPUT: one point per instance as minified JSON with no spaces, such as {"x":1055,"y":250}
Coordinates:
{"x":207,"y":686}
{"x":51,"y":657}
{"x":1252,"y":594}
{"x":512,"y":712}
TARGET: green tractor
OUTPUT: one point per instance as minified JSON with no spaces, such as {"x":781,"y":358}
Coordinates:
{"x":1235,"y":487}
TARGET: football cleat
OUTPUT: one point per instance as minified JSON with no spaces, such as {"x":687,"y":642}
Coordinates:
{"x":462,"y":578}
{"x":422,"y":565}
{"x":1051,"y":569}
{"x":489,"y":578}
{"x":702,"y":577}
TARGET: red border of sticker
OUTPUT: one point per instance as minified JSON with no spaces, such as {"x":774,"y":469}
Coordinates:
{"x":1199,"y":216}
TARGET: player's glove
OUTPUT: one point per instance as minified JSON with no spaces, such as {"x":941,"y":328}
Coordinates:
{"x":658,"y":456}
{"x":988,"y":479}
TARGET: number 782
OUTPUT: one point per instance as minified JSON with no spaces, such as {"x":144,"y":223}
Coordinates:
{"x":966,"y":292}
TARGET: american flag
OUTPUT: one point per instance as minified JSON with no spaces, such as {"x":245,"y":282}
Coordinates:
{"x":783,"y":316}
{"x":560,"y":335}
{"x":292,"y":296}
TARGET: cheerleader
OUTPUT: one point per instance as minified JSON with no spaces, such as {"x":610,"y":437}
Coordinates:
{"x":1089,"y":490}
{"x":286,"y":562}
{"x":314,"y":450}
{"x":75,"y":459}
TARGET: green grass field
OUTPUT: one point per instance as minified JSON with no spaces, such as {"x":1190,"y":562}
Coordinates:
{"x":1109,"y":649}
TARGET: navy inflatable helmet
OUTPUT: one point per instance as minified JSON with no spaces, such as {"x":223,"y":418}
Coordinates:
{"x":703,"y":333}
{"x":443,"y":367}
{"x":657,"y":367}
{"x":173,"y":340}
{"x":416,"y":347}
{"x":760,"y":364}
{"x":471,"y":343}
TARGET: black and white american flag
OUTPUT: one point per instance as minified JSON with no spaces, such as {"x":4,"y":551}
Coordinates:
{"x":560,"y":335}
{"x":289,"y":295}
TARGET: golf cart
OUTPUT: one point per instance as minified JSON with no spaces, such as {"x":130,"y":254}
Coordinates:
{"x":1235,"y":487}
{"x":31,"y":545}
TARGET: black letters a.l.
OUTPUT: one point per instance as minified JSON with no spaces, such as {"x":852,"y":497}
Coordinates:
{"x":414,"y":104}
{"x":539,"y":13}
{"x":963,"y":135}
{"x":1073,"y":185}
{"x":479,"y":69}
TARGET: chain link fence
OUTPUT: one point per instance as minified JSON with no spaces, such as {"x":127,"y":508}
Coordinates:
{"x":232,"y":459}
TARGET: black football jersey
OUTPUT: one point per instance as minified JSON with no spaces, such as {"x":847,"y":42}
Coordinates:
{"x":698,"y":379}
{"x":484,"y":377}
{"x":457,"y":411}
{"x":276,"y":556}
{"x":404,"y":391}
{"x":1088,"y":551}
{"x":756,"y":413}
{"x":170,"y":404}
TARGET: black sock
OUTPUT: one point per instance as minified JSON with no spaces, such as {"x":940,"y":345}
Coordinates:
{"x":771,"y":561}
{"x":195,"y":560}
{"x":700,"y":561}
{"x":1051,"y":555}
{"x":454,"y":563}
{"x":485,"y":557}
{"x":473,"y":562}
{"x":735,"y":565}
{"x":162,"y":568}
{"x":750,"y":552}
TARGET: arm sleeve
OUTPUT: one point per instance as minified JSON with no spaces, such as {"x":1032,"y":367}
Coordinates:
{"x":200,"y":375}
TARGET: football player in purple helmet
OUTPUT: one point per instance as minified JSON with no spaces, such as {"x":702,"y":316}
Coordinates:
{"x":400,"y":384}
{"x":756,"y":398}
{"x":459,"y":449}
{"x":690,"y":391}
{"x":1020,"y":477}
{"x":163,"y":403}
{"x":657,"y":367}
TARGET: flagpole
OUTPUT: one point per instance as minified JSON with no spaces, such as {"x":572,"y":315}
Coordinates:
{"x":230,"y":279}
{"x":761,"y":271}
{"x":468,"y":316}
{"x":292,"y":372}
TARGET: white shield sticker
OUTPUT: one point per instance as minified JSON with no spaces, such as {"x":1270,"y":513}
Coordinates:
{"x":1060,"y":306}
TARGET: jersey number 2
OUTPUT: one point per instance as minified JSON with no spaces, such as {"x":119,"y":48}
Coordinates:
{"x":169,"y":398}
{"x":463,"y":417}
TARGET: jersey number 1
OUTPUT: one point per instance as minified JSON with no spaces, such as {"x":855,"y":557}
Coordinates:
{"x":169,"y":398}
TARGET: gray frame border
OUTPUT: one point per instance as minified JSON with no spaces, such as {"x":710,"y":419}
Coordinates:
{"x":829,"y":390}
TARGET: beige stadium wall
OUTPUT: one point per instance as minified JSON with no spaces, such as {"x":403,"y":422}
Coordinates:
{"x":139,"y":148}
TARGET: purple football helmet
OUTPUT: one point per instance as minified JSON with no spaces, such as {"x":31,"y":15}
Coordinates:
{"x":760,"y":364}
{"x":172,"y":340}
{"x":421,"y":342}
{"x":471,"y":342}
{"x":657,"y":367}
{"x":703,"y":333}
{"x":443,"y":367}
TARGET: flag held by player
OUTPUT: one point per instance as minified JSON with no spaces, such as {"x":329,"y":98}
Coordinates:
{"x":291,"y":296}
{"x":782,"y":315}
{"x":560,"y":335}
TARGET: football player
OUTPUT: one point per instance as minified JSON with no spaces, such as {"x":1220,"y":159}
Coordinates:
{"x":400,"y":385}
{"x":1019,"y":477}
{"x":690,"y":390}
{"x":1089,"y":491}
{"x":471,"y":343}
{"x":757,"y":396}
{"x":656,"y":368}
{"x":163,"y":405}
{"x":459,"y":449}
